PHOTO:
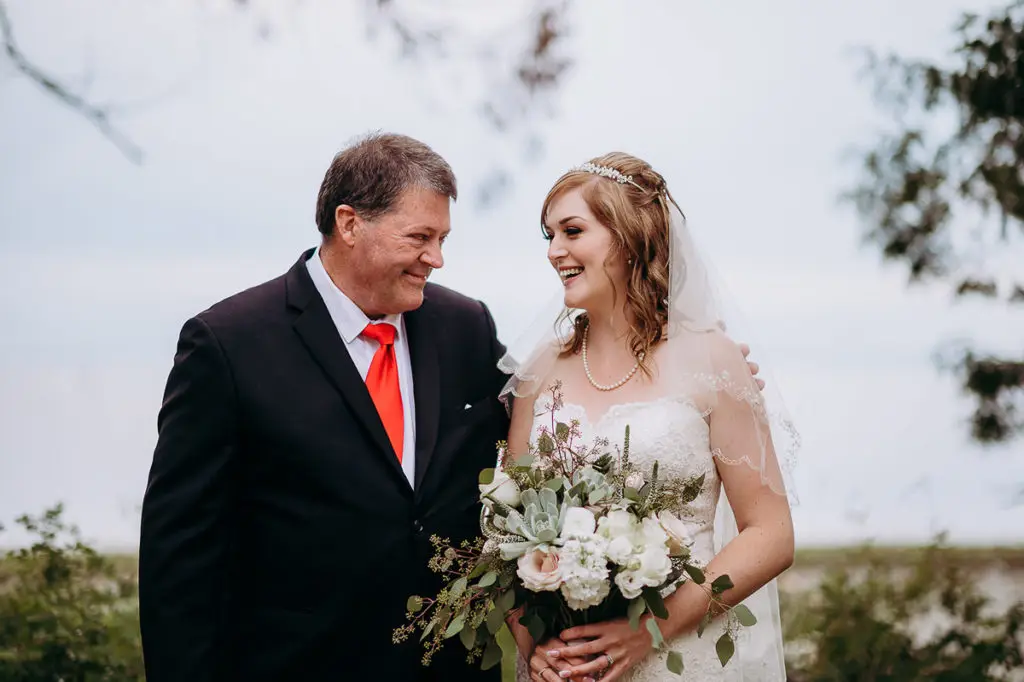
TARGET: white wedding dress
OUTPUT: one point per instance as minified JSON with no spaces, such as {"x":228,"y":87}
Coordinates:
{"x":674,"y":432}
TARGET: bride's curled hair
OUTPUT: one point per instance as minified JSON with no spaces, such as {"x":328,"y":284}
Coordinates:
{"x":638,"y":217}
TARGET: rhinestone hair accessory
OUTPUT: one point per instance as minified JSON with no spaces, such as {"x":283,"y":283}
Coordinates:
{"x":605,"y":172}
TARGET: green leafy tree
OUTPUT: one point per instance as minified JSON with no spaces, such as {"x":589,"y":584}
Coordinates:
{"x":943,"y":193}
{"x":66,"y":613}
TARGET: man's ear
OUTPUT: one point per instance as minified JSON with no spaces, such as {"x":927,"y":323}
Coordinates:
{"x":345,"y":223}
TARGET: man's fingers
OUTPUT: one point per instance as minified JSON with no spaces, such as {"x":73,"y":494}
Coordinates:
{"x":745,"y":349}
{"x":584,"y":650}
{"x":583,"y":632}
{"x":754,"y":367}
{"x":594,"y":668}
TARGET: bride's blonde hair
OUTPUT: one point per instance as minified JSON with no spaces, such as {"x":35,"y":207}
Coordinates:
{"x":637,"y":214}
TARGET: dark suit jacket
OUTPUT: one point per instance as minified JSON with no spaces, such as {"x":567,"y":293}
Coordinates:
{"x":280,"y":539}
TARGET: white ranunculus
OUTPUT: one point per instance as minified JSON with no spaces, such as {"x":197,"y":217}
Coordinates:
{"x":539,"y":571}
{"x":648,"y":568}
{"x":651,"y":533}
{"x":579,"y":522}
{"x":620,"y":549}
{"x":679,"y":539}
{"x":629,"y":584}
{"x":502,"y":488}
{"x":617,"y":523}
{"x":655,"y":565}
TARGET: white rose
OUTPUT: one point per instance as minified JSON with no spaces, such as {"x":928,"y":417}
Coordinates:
{"x":578,"y":522}
{"x":679,"y":539}
{"x":502,"y":488}
{"x":539,"y":571}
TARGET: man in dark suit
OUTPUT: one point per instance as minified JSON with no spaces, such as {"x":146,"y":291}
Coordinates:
{"x":316,"y":430}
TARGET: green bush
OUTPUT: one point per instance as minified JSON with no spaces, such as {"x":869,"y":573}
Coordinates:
{"x":66,"y":613}
{"x":925,"y":619}
{"x":69,"y":614}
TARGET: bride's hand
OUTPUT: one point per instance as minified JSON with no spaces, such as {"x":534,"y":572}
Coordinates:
{"x":614,"y":648}
{"x":547,"y":668}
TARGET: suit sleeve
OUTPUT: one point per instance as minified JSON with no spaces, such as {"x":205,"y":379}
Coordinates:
{"x":185,"y":515}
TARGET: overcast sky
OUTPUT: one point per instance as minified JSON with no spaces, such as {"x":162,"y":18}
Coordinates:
{"x":751,"y":118}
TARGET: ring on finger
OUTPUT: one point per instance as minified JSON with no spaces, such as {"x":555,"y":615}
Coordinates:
{"x":611,"y":661}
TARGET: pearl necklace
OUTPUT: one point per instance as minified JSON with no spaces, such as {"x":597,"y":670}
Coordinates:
{"x":590,"y":377}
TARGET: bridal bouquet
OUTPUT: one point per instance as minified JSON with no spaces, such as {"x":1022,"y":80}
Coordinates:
{"x":569,"y":535}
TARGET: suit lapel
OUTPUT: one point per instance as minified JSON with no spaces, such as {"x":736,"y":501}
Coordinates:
{"x":426,"y":387}
{"x":317,"y":331}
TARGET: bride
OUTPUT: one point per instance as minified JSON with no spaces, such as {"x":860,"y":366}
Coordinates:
{"x":640,"y":342}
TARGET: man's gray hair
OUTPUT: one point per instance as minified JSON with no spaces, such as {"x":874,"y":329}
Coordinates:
{"x":371,"y":174}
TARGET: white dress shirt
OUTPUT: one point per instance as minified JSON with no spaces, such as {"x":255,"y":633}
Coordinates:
{"x":351,"y":321}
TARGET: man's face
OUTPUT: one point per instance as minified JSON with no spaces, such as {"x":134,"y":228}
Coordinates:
{"x":394,"y":255}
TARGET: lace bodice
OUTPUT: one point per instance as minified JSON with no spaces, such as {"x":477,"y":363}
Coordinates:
{"x":674,"y":432}
{"x":671,"y":431}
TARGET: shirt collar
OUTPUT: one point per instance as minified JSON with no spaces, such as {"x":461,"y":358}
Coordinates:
{"x":347,"y":317}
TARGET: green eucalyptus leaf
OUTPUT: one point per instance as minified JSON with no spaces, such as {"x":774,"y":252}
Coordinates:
{"x":427,"y":630}
{"x":652,"y":627}
{"x":468,"y":637}
{"x":489,"y":579}
{"x":495,"y":619}
{"x":675,"y":662}
{"x":561,"y":432}
{"x":492,"y":654}
{"x":536,"y":627}
{"x":506,"y":602}
{"x":721,"y":584}
{"x":555,"y":483}
{"x":636,"y":609}
{"x":458,"y":588}
{"x":486,"y":477}
{"x":695,"y":573}
{"x":455,"y":626}
{"x":744,"y":615}
{"x":414,"y":604}
{"x":704,"y":622}
{"x":655,"y":603}
{"x":725,"y":648}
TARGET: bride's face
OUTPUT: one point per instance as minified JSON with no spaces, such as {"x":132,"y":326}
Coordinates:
{"x":581,"y":250}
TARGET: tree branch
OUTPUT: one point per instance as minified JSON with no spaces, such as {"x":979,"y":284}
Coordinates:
{"x":97,"y":115}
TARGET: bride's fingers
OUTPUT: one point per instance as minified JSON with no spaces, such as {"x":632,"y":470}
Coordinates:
{"x":539,"y":663}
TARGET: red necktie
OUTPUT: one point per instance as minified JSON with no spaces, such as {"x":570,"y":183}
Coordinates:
{"x":382,"y":382}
